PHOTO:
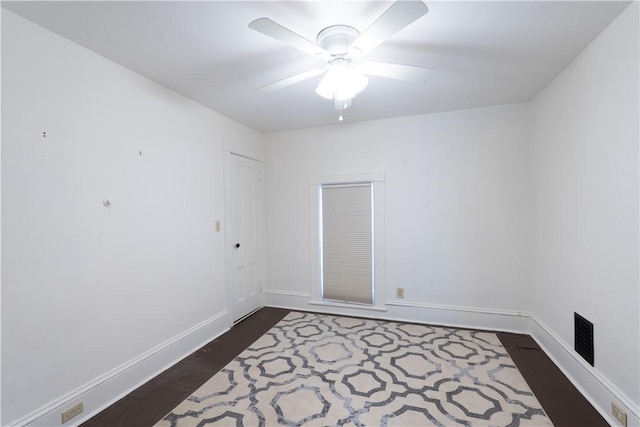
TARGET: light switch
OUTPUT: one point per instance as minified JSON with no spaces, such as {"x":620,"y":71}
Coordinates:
{"x":217,"y":225}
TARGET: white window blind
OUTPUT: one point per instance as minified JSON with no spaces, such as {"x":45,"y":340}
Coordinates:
{"x":347,"y":243}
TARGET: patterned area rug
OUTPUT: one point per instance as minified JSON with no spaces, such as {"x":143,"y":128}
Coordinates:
{"x":313,"y":369}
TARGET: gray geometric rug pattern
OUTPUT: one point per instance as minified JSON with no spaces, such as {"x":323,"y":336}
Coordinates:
{"x":313,"y":369}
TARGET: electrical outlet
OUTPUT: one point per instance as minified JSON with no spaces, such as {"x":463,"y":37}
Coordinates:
{"x":399,"y":293}
{"x":619,"y":414}
{"x":73,"y":412}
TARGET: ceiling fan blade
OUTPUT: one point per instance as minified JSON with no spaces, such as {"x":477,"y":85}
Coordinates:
{"x":272,"y":29}
{"x":408,"y":73}
{"x":291,"y":80}
{"x":399,"y":15}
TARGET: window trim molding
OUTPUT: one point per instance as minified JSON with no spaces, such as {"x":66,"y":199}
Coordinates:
{"x":357,"y":178}
{"x":315,"y":184}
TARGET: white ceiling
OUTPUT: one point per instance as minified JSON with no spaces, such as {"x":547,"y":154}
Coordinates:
{"x":484,"y":53}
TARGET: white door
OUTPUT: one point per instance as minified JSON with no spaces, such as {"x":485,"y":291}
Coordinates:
{"x":244,"y":240}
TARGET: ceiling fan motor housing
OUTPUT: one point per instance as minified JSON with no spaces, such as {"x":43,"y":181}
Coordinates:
{"x":336,"y":39}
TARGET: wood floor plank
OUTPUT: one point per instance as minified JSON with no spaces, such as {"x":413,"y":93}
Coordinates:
{"x":517,"y":340}
{"x":110,"y":416}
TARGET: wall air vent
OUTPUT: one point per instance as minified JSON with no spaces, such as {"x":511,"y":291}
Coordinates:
{"x":583,"y":337}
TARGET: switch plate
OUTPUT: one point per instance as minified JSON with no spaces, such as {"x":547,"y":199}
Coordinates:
{"x":217,"y":225}
{"x":400,"y":293}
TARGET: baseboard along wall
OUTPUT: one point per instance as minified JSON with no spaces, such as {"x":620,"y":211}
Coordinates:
{"x":100,"y":393}
{"x":594,"y":386}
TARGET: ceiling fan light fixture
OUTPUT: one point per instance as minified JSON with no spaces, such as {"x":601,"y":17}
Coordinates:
{"x":342,"y":81}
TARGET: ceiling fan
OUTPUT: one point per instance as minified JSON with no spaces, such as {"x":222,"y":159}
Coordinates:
{"x":343,"y":47}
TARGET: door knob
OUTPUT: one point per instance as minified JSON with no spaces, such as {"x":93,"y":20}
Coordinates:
{"x":237,"y":245}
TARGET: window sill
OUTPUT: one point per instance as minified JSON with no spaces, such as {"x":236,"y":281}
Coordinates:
{"x":351,"y":306}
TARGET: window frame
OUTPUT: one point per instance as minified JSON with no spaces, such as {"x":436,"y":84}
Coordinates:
{"x":376,"y":179}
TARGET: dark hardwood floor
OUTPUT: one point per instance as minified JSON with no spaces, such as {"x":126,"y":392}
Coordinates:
{"x":562,"y":402}
{"x":152,"y":401}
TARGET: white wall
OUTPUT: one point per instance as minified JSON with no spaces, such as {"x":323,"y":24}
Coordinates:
{"x":456,"y":204}
{"x":585,"y":202}
{"x":92,"y":296}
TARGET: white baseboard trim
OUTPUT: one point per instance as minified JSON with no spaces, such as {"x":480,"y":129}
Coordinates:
{"x":594,"y":386}
{"x":110,"y":387}
{"x":493,"y":319}
{"x":410,"y":311}
{"x":287,"y":293}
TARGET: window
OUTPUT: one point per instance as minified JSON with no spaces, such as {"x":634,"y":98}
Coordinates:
{"x":347,"y":228}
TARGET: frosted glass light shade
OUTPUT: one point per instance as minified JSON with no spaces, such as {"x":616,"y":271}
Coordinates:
{"x":343,"y":81}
